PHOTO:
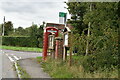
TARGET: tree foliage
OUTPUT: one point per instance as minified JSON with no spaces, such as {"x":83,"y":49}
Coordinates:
{"x":103,"y":39}
{"x":77,"y":11}
{"x":8,"y":27}
{"x":34,"y":31}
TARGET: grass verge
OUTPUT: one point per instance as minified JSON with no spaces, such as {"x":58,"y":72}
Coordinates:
{"x":60,"y":69}
{"x":22,"y":48}
{"x":39,"y":59}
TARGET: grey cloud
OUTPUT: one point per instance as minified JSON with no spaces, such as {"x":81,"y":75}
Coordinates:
{"x":23,"y":12}
{"x":33,"y":0}
{"x":17,"y":7}
{"x":27,"y":7}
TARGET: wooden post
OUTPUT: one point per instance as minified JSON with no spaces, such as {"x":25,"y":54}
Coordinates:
{"x":64,"y":53}
{"x":70,"y":45}
{"x":56,"y":49}
{"x":59,"y":48}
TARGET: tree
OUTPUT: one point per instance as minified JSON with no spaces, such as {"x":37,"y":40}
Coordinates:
{"x":19,"y":31}
{"x":40,"y":35}
{"x":8,"y":27}
{"x":77,"y":10}
{"x":37,"y":33}
{"x":0,"y":29}
{"x":105,"y":21}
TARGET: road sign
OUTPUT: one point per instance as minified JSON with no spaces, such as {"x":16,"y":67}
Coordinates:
{"x":62,"y":14}
{"x":62,"y":17}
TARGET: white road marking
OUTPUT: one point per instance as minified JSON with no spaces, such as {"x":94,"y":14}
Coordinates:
{"x":10,"y":58}
{"x":18,"y":72}
{"x":16,"y":57}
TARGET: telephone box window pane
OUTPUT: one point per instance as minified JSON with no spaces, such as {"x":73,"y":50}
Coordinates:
{"x":51,"y":41}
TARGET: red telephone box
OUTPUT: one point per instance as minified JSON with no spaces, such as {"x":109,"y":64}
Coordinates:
{"x":47,"y":32}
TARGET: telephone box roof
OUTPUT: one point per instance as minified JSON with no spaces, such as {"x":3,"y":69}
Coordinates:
{"x":59,"y":26}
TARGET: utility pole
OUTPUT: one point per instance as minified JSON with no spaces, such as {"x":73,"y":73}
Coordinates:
{"x":89,"y":24}
{"x":32,"y":23}
{"x":3,"y":26}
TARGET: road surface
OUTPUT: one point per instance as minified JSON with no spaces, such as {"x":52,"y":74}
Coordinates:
{"x":8,"y":56}
{"x":0,"y":64}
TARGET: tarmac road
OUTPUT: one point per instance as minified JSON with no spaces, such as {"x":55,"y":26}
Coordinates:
{"x":9,"y":56}
{"x":0,"y":64}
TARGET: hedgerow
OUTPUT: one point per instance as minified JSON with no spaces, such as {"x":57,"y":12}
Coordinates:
{"x":21,"y":41}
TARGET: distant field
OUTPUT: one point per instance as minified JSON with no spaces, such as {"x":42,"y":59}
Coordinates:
{"x":22,"y":48}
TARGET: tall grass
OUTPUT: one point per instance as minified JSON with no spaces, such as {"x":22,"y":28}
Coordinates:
{"x":60,"y":69}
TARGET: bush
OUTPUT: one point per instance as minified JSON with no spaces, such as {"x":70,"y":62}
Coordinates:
{"x":103,"y":50}
{"x":103,"y":60}
{"x":21,"y":41}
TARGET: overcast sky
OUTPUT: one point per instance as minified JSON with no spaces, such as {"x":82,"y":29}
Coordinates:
{"x":24,"y":12}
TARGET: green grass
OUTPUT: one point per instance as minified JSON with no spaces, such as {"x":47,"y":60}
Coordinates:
{"x":39,"y":59}
{"x":22,"y":48}
{"x":60,"y":69}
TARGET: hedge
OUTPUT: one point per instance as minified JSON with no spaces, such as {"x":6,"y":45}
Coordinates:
{"x":22,"y":41}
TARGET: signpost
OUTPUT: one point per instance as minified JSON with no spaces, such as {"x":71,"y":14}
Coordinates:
{"x":62,"y":17}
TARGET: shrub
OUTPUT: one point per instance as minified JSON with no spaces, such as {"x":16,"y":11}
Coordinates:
{"x":103,"y":50}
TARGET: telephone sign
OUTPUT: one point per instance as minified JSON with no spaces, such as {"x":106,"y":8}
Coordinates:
{"x":51,"y":31}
